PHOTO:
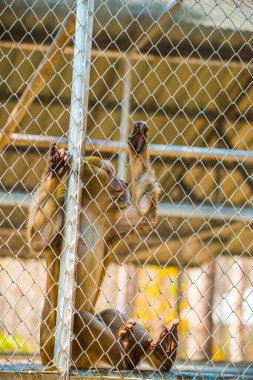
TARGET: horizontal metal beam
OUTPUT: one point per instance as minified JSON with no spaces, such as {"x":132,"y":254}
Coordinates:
{"x":103,"y":146}
{"x":176,"y":57}
{"x":193,"y":371}
{"x":15,"y":199}
{"x":220,"y":369}
{"x":167,"y":210}
{"x":222,"y":213}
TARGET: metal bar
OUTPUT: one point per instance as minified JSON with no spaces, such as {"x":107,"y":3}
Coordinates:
{"x":106,"y":146}
{"x":193,"y":371}
{"x":31,"y":47}
{"x":183,"y":210}
{"x":220,"y":369}
{"x":77,"y":135}
{"x":125,"y":112}
{"x":122,"y":273}
{"x":223,"y":213}
{"x":39,"y":78}
{"x":136,"y":56}
{"x":15,"y":199}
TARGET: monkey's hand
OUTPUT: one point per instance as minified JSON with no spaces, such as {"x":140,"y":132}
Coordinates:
{"x":138,"y":141}
{"x":57,"y":162}
{"x":165,"y":348}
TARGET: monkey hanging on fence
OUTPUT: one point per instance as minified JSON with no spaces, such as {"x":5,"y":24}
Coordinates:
{"x":109,"y":338}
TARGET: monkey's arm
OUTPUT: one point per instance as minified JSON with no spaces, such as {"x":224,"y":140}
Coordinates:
{"x":145,"y":189}
{"x":46,"y":217}
{"x":142,"y":213}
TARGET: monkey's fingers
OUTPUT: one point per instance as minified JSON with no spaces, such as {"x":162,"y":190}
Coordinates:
{"x":63,"y":153}
{"x":52,"y":153}
{"x":172,"y":326}
{"x":58,"y":161}
{"x":133,"y":350}
{"x":169,"y":336}
{"x":138,"y":139}
{"x":126,"y":328}
{"x":165,"y":348}
{"x":63,"y":164}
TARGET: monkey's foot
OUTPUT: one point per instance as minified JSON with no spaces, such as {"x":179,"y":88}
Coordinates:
{"x":165,"y":348}
{"x":57,"y":162}
{"x":132,"y":348}
{"x":138,"y":139}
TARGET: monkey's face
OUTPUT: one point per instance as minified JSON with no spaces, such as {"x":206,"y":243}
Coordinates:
{"x":117,"y":188}
{"x":104,"y":188}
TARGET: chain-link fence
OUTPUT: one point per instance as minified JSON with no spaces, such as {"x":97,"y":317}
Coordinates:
{"x":95,"y":271}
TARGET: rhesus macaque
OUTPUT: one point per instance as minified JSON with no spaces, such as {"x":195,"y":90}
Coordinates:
{"x":109,"y":338}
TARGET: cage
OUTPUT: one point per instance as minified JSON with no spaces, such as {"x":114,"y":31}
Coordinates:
{"x":79,"y":75}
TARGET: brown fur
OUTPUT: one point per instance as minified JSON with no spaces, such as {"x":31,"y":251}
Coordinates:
{"x":107,"y":217}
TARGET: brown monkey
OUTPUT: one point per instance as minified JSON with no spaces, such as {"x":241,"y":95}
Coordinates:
{"x":109,"y":338}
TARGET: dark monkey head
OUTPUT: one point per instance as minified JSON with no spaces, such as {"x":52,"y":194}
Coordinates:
{"x":102,"y":185}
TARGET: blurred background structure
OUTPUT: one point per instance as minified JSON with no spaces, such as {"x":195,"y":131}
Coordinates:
{"x":186,"y":69}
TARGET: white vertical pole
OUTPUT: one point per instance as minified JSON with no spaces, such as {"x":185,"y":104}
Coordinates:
{"x":125,"y":112}
{"x":77,"y":135}
{"x":124,"y":128}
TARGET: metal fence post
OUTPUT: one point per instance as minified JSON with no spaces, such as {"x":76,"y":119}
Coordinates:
{"x":125,"y":113}
{"x":124,"y":130}
{"x":77,"y":134}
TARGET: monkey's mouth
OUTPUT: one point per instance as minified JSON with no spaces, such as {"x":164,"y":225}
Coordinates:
{"x":121,"y":195}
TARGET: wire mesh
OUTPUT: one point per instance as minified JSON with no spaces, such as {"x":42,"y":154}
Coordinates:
{"x":185,"y":68}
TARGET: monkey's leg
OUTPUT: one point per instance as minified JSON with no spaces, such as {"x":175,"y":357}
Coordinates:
{"x":131,"y":336}
{"x":145,"y":189}
{"x":95,"y":344}
{"x":139,"y":345}
{"x":142,"y":212}
{"x":163,"y":351}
